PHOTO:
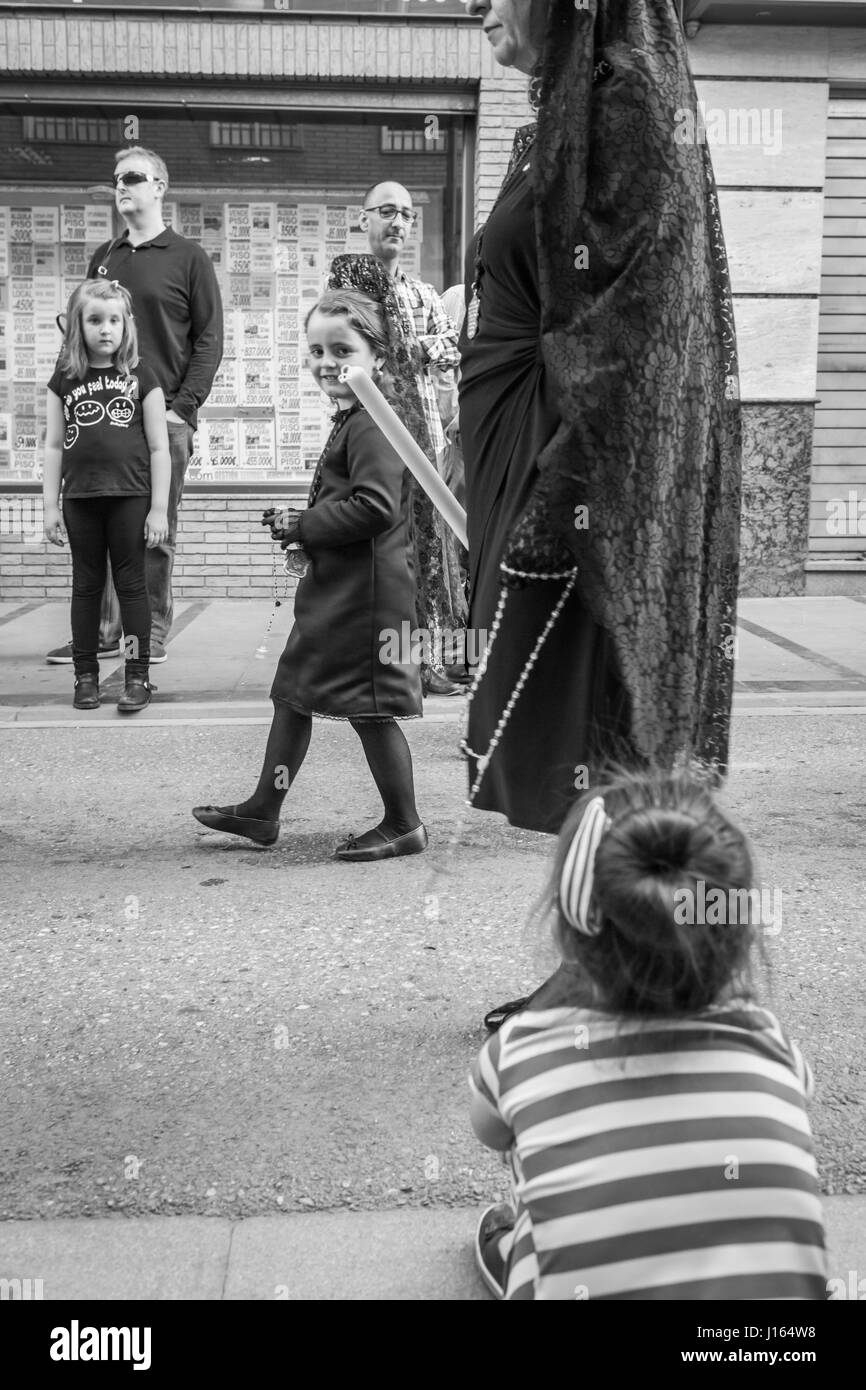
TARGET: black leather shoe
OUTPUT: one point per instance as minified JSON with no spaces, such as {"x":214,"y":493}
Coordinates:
{"x":86,"y":692}
{"x":413,"y":842}
{"x":136,"y":696}
{"x":495,"y":1019}
{"x":263,"y":832}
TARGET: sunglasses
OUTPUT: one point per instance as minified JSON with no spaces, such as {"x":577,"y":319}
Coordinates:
{"x":389,"y":211}
{"x":131,"y":179}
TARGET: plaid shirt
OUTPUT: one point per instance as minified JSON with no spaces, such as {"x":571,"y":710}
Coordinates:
{"x":425,"y":317}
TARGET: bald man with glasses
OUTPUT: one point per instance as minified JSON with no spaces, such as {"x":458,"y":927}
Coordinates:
{"x":388,"y":219}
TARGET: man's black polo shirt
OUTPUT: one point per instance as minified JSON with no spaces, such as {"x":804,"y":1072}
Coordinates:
{"x":178,"y":313}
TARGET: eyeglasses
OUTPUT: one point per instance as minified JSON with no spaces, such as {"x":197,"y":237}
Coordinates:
{"x":130,"y":179}
{"x":389,"y":211}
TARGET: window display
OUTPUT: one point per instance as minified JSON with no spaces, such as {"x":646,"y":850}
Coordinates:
{"x":271,"y":214}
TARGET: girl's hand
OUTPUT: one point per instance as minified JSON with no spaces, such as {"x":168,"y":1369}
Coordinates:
{"x":52,"y":526}
{"x":156,"y":527}
{"x":284,"y":524}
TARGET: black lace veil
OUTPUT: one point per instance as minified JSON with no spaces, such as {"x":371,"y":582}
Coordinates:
{"x":637,"y":336}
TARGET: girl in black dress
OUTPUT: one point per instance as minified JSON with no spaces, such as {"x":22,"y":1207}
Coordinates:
{"x":359,"y":583}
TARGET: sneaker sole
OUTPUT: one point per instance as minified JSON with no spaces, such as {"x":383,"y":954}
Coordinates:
{"x":489,"y":1282}
{"x":67,"y":660}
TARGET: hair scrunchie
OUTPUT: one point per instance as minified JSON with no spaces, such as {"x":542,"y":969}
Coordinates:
{"x":578,"y":870}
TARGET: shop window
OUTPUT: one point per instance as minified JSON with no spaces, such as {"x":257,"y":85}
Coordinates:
{"x":271,"y":218}
{"x":255,"y":135}
{"x":71,"y":130}
{"x":413,"y":140}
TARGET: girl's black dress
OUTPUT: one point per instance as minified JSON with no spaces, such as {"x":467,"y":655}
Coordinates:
{"x":574,"y":706}
{"x":359,"y":587}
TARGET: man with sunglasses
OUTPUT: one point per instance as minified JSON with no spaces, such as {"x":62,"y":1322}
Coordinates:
{"x":178,"y":313}
{"x":388,"y":218}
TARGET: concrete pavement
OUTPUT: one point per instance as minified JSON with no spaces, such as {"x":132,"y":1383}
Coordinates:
{"x":792,"y":652}
{"x":383,"y":1255}
{"x":151,"y":1037}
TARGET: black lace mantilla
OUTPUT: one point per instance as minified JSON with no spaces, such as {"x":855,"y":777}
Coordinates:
{"x":641,"y":482}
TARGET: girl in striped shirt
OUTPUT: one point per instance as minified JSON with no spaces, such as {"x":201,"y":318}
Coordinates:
{"x":654,"y":1114}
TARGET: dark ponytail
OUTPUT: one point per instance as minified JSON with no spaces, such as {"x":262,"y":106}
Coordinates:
{"x":669,"y":844}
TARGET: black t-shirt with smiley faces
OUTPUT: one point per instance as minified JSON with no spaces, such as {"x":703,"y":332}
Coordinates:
{"x":105,"y":450}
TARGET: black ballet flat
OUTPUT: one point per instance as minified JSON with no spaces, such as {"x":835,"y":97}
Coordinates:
{"x":495,"y":1019}
{"x":263,"y":832}
{"x":413,"y":842}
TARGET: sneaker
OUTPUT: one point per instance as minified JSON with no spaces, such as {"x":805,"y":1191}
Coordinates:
{"x":157,"y":653}
{"x":62,"y":656}
{"x":435,"y":683}
{"x":492,"y":1265}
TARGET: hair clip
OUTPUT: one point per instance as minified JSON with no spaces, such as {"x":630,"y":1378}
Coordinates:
{"x":578,"y":870}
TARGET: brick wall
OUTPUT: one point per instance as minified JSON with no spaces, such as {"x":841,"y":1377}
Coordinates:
{"x":503,"y":106}
{"x":223,"y":551}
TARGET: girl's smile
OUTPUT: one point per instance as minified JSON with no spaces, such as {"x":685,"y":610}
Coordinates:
{"x":333,"y":344}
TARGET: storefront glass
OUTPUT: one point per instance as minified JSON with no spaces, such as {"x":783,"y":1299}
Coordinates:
{"x":271,"y":197}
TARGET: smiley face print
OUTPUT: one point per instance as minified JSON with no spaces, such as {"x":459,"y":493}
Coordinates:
{"x":120,"y":411}
{"x":89,"y":412}
{"x":70,"y":436}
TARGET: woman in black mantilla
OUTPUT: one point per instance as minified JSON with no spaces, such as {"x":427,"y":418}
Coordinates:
{"x":599,"y":417}
{"x":599,"y":414}
{"x":358,"y":582}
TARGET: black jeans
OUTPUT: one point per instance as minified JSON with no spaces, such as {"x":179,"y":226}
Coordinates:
{"x":98,"y":527}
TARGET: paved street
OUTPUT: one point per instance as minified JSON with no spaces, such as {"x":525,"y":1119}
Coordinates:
{"x":194,"y":1028}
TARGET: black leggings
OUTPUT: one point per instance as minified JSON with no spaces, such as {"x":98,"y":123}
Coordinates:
{"x":100,"y":526}
{"x":385,"y":748}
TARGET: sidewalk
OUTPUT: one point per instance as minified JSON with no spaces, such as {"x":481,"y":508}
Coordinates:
{"x":792,"y":652}
{"x":370,"y":1256}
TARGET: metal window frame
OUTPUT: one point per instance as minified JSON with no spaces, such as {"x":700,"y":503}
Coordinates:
{"x":294,"y":135}
{"x":75,"y":130}
{"x":438,"y":145}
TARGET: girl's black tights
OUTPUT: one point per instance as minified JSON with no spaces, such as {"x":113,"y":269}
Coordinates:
{"x":385,"y":748}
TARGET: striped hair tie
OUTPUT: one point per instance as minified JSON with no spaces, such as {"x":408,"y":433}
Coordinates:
{"x":578,"y":871}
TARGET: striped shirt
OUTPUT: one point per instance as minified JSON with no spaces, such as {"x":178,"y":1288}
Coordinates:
{"x":657,"y":1159}
{"x":429,"y":326}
